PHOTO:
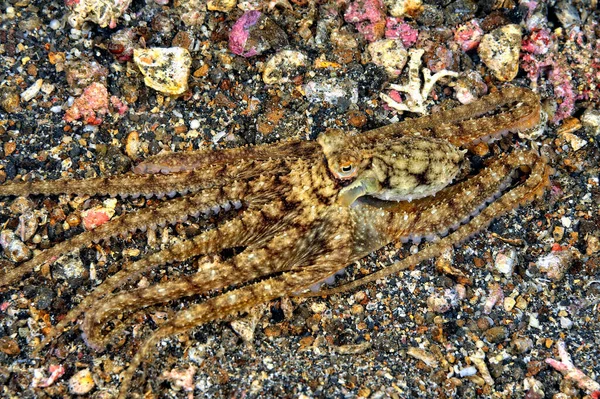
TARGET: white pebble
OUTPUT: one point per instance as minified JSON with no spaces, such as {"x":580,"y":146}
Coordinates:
{"x":32,"y":91}
{"x":54,"y":24}
{"x":194,"y":124}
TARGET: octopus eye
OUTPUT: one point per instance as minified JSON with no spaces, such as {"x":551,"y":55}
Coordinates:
{"x":346,"y":171}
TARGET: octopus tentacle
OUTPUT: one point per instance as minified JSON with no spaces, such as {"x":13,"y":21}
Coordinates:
{"x":465,"y":124}
{"x":131,"y":184}
{"x":533,"y":187}
{"x":247,"y":229}
{"x":168,"y":212}
{"x":226,"y":305}
{"x":281,"y":253}
{"x":179,"y":162}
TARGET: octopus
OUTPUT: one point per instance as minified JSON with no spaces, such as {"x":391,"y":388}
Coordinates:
{"x":279,"y":219}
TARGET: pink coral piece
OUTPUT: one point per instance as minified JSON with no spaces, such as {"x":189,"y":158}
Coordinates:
{"x":368,"y":16}
{"x":93,"y":218}
{"x":56,"y":371}
{"x":396,"y":28}
{"x":468,"y":35}
{"x":240,"y":32}
{"x":93,"y":102}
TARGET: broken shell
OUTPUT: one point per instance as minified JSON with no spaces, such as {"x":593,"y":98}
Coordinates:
{"x":164,"y":69}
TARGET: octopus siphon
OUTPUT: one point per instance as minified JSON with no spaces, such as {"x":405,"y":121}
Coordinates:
{"x":291,"y":214}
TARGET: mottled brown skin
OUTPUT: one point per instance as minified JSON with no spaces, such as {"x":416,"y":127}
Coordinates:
{"x":287,"y":217}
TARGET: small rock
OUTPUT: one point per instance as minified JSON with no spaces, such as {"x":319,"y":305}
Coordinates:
{"x":496,"y":334}
{"x":82,"y":382}
{"x":14,"y":248}
{"x":82,"y":73}
{"x":389,"y":53}
{"x":283,"y":66}
{"x":521,"y":344}
{"x":566,"y":323}
{"x":123,"y":42}
{"x":425,"y":356}
{"x":9,"y":346}
{"x":9,"y":99}
{"x":254,"y":33}
{"x":574,"y":141}
{"x":505,"y":261}
{"x":334,"y":91}
{"x":396,"y":28}
{"x":165,"y":69}
{"x":132,"y":145}
{"x":32,"y":90}
{"x":499,"y":51}
{"x":509,"y":303}
{"x":221,"y":5}
{"x":401,"y":8}
{"x":591,"y":120}
{"x":555,"y":264}
{"x":28,"y":224}
{"x":468,"y":35}
{"x":69,"y":268}
{"x":592,"y":245}
{"x":558,"y":233}
{"x":102,"y":12}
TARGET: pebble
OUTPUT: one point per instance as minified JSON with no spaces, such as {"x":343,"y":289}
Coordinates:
{"x":9,"y":99}
{"x":555,"y":264}
{"x":521,"y":344}
{"x":69,"y":268}
{"x":90,"y":106}
{"x":28,"y":224}
{"x":499,"y":51}
{"x":132,"y":144}
{"x":221,"y":5}
{"x":9,"y":346}
{"x":592,"y":245}
{"x":401,"y":8}
{"x":55,"y":24}
{"x":32,"y":90}
{"x":591,"y":120}
{"x":333,"y":91}
{"x":390,"y":54}
{"x":566,"y":323}
{"x":254,"y":33}
{"x":505,"y":261}
{"x":496,"y":334}
{"x":14,"y":248}
{"x":574,"y":141}
{"x":283,"y":66}
{"x":509,"y":303}
{"x":82,"y":382}
{"x":165,"y":69}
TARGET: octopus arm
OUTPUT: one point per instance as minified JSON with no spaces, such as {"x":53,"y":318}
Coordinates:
{"x":508,"y":110}
{"x":131,"y":184}
{"x":194,"y":160}
{"x":169,"y":212}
